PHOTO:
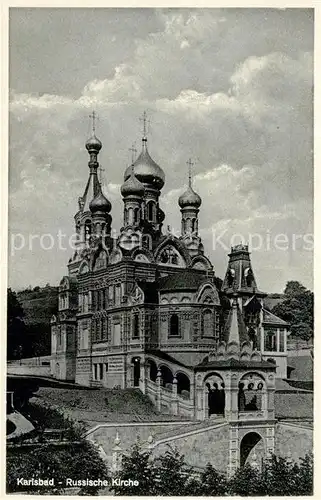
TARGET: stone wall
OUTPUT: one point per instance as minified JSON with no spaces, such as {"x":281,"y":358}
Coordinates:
{"x":293,"y":440}
{"x":199,"y":449}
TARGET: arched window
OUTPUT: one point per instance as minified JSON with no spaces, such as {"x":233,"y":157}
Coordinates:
{"x":150,"y":211}
{"x":136,"y":326}
{"x":208,"y":323}
{"x":130,"y":216}
{"x":174,"y":325}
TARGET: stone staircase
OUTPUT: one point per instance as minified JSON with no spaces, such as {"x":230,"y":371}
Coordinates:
{"x":189,"y":428}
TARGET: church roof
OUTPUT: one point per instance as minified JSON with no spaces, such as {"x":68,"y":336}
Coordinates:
{"x":185,"y":280}
{"x":272,"y":319}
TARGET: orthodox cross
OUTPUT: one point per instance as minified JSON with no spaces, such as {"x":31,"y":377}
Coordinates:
{"x":145,"y":123}
{"x":190,"y":165}
{"x":133,"y":151}
{"x":93,"y":116}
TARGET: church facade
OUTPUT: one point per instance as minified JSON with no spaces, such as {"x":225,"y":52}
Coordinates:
{"x":146,"y":310}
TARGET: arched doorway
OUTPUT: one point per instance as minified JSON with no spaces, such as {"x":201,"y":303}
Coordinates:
{"x":136,"y":371}
{"x":248,"y":442}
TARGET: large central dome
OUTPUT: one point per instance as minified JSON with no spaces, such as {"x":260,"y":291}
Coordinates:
{"x":146,"y":169}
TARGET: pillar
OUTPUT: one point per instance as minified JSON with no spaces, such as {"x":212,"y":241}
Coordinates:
{"x":174,"y":402}
{"x":234,"y":452}
{"x":159,"y":390}
{"x":116,"y":455}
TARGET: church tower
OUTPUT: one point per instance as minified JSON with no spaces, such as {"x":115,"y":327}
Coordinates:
{"x":93,"y":218}
{"x":143,"y":181}
{"x":190,"y":203}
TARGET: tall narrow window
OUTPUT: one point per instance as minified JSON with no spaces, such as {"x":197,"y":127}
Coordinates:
{"x":150,"y":209}
{"x":136,"y":326}
{"x":174,"y":325}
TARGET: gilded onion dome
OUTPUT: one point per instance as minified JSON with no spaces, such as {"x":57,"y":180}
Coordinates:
{"x":189,"y":199}
{"x":132,"y":186}
{"x":100,"y":203}
{"x":93,"y":144}
{"x":146,"y":169}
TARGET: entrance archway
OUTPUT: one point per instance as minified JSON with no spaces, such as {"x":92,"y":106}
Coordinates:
{"x":248,"y":442}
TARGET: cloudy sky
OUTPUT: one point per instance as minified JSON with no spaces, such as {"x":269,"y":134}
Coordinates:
{"x":230,"y":88}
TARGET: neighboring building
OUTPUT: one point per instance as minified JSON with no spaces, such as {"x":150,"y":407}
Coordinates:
{"x":145,"y":310}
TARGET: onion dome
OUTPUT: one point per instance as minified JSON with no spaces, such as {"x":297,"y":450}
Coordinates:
{"x":100,"y":204}
{"x":146,"y":169}
{"x":132,"y":186}
{"x":93,"y":144}
{"x":189,"y":199}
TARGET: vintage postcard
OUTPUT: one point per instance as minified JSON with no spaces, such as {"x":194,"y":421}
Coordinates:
{"x":160,"y":324}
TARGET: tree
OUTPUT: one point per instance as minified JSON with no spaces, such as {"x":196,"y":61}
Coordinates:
{"x":174,"y":476}
{"x":247,"y":481}
{"x":15,"y":327}
{"x":137,"y":466}
{"x":297,"y":310}
{"x":213,"y":483}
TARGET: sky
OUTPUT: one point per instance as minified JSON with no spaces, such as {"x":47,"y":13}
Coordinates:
{"x":232,"y":89}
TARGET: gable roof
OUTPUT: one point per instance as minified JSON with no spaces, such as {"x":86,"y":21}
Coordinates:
{"x":272,"y":319}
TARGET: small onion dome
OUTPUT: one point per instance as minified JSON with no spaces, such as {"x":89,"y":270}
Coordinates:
{"x":132,"y":186}
{"x":146,"y":169}
{"x":100,"y":204}
{"x":189,"y":199}
{"x":93,"y":144}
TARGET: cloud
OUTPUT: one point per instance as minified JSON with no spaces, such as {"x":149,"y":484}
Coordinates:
{"x":246,"y":120}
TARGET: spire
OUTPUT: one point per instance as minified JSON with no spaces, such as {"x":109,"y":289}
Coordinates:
{"x":235,"y":330}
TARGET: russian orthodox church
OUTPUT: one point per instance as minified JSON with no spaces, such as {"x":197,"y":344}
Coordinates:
{"x":146,"y":310}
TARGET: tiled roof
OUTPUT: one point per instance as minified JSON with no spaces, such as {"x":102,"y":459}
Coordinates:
{"x":272,"y":319}
{"x":185,"y":280}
